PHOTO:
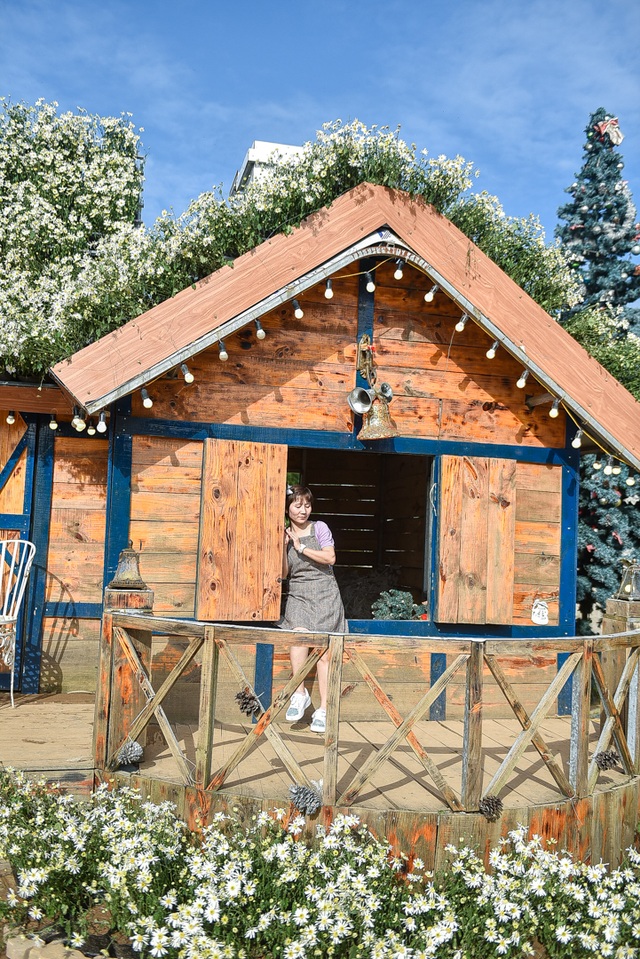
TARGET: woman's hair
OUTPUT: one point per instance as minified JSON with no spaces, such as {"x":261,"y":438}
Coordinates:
{"x":298,"y":492}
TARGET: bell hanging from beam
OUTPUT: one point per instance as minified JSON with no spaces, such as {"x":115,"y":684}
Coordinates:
{"x":377,"y":423}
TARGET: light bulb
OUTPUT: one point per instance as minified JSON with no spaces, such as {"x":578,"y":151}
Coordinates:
{"x":147,"y":402}
{"x":11,"y":417}
{"x":328,"y":290}
{"x":80,"y":424}
{"x":597,"y":464}
{"x":53,"y":423}
{"x":462,"y":322}
{"x":491,"y":352}
{"x":430,"y":294}
{"x":298,"y":312}
{"x":371,"y":286}
{"x":222,"y":353}
{"x":186,"y":372}
{"x":608,"y":470}
{"x":616,"y":469}
{"x":522,"y":382}
{"x":576,"y":442}
{"x":630,"y":481}
{"x":398,"y":274}
{"x":101,"y":425}
{"x":260,"y":333}
{"x":91,"y":430}
{"x":555,"y":407}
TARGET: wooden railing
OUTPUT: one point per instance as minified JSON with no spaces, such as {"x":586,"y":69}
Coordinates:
{"x":127,"y":702}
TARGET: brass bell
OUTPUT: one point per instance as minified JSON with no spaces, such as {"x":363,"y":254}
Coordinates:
{"x":128,"y":571}
{"x":377,"y":423}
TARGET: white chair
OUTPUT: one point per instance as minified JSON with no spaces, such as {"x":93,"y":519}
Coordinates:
{"x":16,"y":557}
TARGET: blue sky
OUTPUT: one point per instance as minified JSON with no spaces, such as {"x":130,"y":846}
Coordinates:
{"x":508,"y":84}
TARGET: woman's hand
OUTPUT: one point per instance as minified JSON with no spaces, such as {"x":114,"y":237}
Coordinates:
{"x":293,"y":537}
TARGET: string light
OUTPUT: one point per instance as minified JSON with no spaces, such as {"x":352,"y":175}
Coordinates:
{"x":398,"y":274}
{"x":11,"y":417}
{"x":371,"y":286}
{"x":630,"y":480}
{"x":101,"y":425}
{"x":608,"y":470}
{"x":53,"y":423}
{"x":616,"y":469}
{"x":223,"y":356}
{"x":493,"y":349}
{"x":522,"y":382}
{"x":74,"y":418}
{"x":298,"y":312}
{"x":597,"y":464}
{"x":91,"y":430}
{"x":81,"y":423}
{"x":429,"y":295}
{"x":260,"y":333}
{"x":555,"y":408}
{"x":186,"y":372}
{"x":147,"y":402}
{"x":576,"y":442}
{"x":328,"y":290}
{"x":462,"y":322}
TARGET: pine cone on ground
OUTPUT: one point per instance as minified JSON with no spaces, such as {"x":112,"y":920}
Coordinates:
{"x":606,"y":759}
{"x":130,"y":753}
{"x":248,"y":702}
{"x":305,"y":799}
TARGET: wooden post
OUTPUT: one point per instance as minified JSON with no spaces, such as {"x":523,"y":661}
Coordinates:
{"x":472,"y":742}
{"x":118,"y":696}
{"x":580,"y":714}
{"x":334,"y":692}
{"x":621,"y":615}
{"x":207,"y":711}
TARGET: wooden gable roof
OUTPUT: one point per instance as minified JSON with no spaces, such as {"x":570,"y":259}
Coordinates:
{"x":182,"y":326}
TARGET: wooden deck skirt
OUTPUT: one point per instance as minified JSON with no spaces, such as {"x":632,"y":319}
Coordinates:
{"x":422,"y":783}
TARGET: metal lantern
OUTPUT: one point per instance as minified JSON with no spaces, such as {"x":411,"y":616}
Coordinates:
{"x":128,"y":571}
{"x":630,"y":585}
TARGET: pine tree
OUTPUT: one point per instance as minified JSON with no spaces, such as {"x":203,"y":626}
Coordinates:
{"x":600,"y":228}
{"x":601,"y":233}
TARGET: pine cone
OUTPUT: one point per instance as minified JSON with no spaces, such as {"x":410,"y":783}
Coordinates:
{"x":130,"y":753}
{"x":606,"y":759}
{"x":305,"y":799}
{"x":248,"y":702}
{"x":491,"y":808}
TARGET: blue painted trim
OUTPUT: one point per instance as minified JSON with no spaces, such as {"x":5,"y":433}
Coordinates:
{"x":16,"y":521}
{"x":263,"y":675}
{"x":9,"y":466}
{"x":69,"y":609}
{"x":118,"y":509}
{"x":434,"y":520}
{"x":414,"y":627}
{"x":569,"y":564}
{"x":438,"y":709}
{"x":40,"y":524}
{"x":326,"y":439}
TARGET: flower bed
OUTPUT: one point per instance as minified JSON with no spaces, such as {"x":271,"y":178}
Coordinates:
{"x":263,"y":891}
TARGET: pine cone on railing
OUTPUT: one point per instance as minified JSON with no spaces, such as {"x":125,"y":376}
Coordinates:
{"x":606,"y":759}
{"x":130,"y":753}
{"x":248,"y":702}
{"x":491,"y":808}
{"x":305,"y":799}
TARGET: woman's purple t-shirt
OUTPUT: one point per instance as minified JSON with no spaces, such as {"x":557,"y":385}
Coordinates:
{"x":323,"y":534}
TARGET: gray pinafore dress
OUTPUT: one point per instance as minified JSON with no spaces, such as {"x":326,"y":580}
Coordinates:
{"x":314,"y":600}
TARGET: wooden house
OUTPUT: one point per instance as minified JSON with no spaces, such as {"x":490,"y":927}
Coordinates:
{"x":212,"y":398}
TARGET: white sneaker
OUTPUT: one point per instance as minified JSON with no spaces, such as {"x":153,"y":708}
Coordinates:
{"x":319,"y":721}
{"x":298,"y":706}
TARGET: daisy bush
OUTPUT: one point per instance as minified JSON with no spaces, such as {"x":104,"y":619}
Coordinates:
{"x":267,"y":890}
{"x":74,"y":265}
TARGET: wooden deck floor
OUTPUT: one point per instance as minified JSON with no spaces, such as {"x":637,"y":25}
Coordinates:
{"x":51,"y":736}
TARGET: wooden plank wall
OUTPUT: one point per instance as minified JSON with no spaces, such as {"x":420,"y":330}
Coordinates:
{"x":444,"y":385}
{"x":538,"y":533}
{"x":12,"y":493}
{"x":75,"y":563}
{"x":298,"y":376}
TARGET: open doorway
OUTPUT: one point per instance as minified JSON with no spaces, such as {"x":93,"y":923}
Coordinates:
{"x":377,"y":507}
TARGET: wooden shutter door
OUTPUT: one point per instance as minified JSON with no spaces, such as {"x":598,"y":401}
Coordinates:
{"x":241,"y":531}
{"x":476,"y":537}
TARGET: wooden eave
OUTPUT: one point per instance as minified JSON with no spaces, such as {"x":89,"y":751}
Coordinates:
{"x":285,"y":265}
{"x":31,"y":398}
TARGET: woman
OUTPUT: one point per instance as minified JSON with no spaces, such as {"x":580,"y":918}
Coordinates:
{"x":313,"y":602}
